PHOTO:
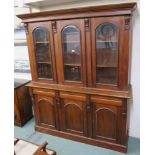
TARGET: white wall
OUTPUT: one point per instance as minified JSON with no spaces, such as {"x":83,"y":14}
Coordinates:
{"x":134,"y":108}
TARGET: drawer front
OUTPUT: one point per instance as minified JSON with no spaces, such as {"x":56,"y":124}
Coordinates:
{"x":73,"y":113}
{"x":45,"y":108}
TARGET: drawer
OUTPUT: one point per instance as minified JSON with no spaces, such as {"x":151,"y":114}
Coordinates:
{"x":74,"y":96}
{"x":47,"y":92}
{"x":107,"y":100}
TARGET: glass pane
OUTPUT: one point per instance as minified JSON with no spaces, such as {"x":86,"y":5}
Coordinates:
{"x":42,"y":53}
{"x":106,"y":53}
{"x":71,"y":53}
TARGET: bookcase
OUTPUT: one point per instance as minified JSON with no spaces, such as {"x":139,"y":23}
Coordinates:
{"x":80,"y":60}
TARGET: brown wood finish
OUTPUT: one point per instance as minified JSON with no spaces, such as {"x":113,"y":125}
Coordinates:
{"x":31,"y":28}
{"x":92,"y":110}
{"x":94,"y":11}
{"x":95,"y":22}
{"x":78,"y":23}
{"x":73,"y":113}
{"x":46,"y":109}
{"x":22,"y":103}
{"x":105,"y":119}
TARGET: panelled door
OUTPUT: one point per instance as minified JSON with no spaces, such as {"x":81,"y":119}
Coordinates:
{"x":106,"y":51}
{"x":71,"y":52}
{"x":46,"y":113}
{"x":41,"y":52}
{"x":73,"y":114}
{"x":106,"y":116}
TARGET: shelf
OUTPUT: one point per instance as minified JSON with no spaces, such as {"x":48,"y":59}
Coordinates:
{"x":74,"y":65}
{"x":70,"y":33}
{"x":44,"y":62}
{"x":41,"y":42}
{"x":102,"y":41}
{"x":66,"y":42}
{"x":106,"y":66}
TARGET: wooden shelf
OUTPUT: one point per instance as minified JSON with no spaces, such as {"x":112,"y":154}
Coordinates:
{"x":41,"y":42}
{"x":102,"y":41}
{"x":70,"y":33}
{"x":106,"y":66}
{"x":66,"y":42}
{"x":43,"y":62}
{"x":74,"y":65}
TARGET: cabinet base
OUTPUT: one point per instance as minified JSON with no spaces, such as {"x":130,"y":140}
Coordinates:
{"x":23,"y":122}
{"x":112,"y":146}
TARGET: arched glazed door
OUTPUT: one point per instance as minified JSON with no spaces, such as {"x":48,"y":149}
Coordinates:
{"x":106,"y":51}
{"x":71,"y":54}
{"x":42,"y":52}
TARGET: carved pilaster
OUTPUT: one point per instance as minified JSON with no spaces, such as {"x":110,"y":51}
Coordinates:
{"x":58,"y":100}
{"x":54,"y":26}
{"x":26,"y":28}
{"x":87,"y":24}
{"x":89,"y":106}
{"x":127,"y":23}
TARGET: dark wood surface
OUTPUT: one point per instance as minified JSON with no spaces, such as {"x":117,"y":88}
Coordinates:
{"x":113,"y":9}
{"x":22,"y":103}
{"x":84,"y":108}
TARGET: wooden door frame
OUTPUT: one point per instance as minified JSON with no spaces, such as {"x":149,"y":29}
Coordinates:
{"x":79,"y":23}
{"x":31,"y":28}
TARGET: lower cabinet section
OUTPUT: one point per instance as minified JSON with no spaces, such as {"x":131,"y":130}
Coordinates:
{"x":45,"y":109}
{"x":105,"y":118}
{"x":73,"y":113}
{"x":96,"y":120}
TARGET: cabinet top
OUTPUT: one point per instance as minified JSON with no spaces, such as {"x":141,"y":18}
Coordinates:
{"x":20,"y":82}
{"x":104,"y":10}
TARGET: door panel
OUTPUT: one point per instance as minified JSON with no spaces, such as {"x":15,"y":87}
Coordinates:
{"x":42,"y":57}
{"x":71,"y":53}
{"x":46,"y":110}
{"x":106,"y":32}
{"x":105,"y":120}
{"x":73,"y":114}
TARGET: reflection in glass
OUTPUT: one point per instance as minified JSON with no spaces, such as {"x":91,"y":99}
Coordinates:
{"x":106,"y":53}
{"x":71,"y":53}
{"x":42,"y":53}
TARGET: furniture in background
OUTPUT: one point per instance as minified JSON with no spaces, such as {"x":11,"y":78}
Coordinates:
{"x":23,"y":147}
{"x":80,"y":63}
{"x":22,"y":102}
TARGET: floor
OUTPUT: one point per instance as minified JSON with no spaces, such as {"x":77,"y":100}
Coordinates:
{"x":69,"y":147}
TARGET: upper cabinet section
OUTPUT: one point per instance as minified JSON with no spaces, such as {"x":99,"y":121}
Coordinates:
{"x":41,"y":51}
{"x":71,"y":53}
{"x":85,"y":47}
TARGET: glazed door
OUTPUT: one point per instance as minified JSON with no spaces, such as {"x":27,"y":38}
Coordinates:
{"x":73,"y":114}
{"x":41,"y":52}
{"x":106,"y":46}
{"x":45,"y":109}
{"x":106,"y":117}
{"x":71,"y":52}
